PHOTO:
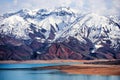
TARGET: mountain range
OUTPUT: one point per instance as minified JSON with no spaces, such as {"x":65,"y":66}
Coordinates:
{"x":62,"y":33}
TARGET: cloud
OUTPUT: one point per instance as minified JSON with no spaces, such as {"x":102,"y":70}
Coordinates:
{"x":15,"y":2}
{"x":103,"y":7}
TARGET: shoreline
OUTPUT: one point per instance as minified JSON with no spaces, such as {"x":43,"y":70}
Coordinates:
{"x":99,"y":61}
{"x":39,"y":61}
{"x":89,"y":67}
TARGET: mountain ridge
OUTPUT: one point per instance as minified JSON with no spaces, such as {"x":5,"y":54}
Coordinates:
{"x":36,"y":32}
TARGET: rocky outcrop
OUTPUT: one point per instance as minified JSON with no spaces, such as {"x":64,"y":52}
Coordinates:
{"x":13,"y":49}
{"x":60,"y":51}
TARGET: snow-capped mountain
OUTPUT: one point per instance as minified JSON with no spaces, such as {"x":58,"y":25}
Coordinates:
{"x":21,"y":23}
{"x":61,"y":25}
{"x":95,"y":28}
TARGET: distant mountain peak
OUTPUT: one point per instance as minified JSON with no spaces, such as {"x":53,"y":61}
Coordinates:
{"x":59,"y":23}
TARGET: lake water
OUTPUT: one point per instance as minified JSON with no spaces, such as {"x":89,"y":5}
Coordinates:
{"x":36,"y":65}
{"x":44,"y":74}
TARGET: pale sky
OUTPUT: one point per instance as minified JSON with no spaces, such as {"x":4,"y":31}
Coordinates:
{"x":107,"y":7}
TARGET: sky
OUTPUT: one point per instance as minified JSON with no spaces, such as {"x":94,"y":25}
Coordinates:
{"x":103,"y":7}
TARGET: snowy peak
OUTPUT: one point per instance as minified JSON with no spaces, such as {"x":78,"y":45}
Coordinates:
{"x":14,"y":26}
{"x":94,"y":28}
{"x":18,"y":24}
{"x":59,"y":23}
{"x":62,"y":11}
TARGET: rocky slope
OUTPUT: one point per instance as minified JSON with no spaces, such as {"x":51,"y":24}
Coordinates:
{"x":61,"y":33}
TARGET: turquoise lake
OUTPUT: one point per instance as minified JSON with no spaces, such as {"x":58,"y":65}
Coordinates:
{"x":45,"y":74}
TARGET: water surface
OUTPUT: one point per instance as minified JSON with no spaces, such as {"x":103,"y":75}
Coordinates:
{"x":29,"y":65}
{"x":45,"y":74}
